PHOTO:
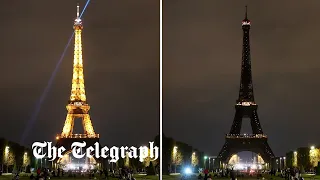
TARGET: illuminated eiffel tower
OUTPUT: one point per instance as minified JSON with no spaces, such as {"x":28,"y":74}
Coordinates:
{"x":77,"y":105}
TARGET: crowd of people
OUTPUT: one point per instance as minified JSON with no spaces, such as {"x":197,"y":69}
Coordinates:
{"x":287,"y":174}
{"x":292,"y":174}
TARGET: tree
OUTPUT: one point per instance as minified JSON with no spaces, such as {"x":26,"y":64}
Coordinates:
{"x":303,"y":158}
{"x":151,"y":170}
{"x":26,"y":160}
{"x":314,"y":157}
{"x":127,"y":161}
{"x":177,"y":158}
{"x":194,"y":159}
{"x":8,"y":159}
{"x":120,"y":163}
{"x":318,"y":169}
{"x":167,"y":148}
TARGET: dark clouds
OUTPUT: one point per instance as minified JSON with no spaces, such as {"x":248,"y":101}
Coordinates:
{"x":121,"y":58}
{"x":202,"y":59}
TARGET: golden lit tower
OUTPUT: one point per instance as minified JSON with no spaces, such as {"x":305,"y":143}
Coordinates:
{"x":77,"y":106}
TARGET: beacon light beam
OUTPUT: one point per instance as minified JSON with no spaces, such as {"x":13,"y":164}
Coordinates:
{"x":48,"y":87}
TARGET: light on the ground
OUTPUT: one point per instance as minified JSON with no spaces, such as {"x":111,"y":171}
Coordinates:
{"x":187,"y":170}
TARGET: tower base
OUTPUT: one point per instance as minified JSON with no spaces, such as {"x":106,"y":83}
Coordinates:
{"x":257,"y":143}
{"x":67,"y":142}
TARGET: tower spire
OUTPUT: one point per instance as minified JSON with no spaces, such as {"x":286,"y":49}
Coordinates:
{"x":246,"y":16}
{"x":246,"y":87}
{"x":78,"y":10}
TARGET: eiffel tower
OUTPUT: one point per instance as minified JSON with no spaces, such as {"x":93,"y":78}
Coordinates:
{"x":77,"y":106}
{"x":246,"y":107}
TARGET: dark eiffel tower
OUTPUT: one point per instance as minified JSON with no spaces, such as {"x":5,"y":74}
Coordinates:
{"x":246,"y":107}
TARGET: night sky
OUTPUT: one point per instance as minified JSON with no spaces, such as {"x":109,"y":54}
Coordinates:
{"x":121,"y":68}
{"x":202,"y":50}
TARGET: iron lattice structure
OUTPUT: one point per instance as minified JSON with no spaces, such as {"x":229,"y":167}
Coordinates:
{"x":77,"y":106}
{"x":246,"y":108}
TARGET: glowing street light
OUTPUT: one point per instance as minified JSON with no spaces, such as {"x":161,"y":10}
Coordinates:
{"x":6,"y":150}
{"x":205,"y":159}
{"x":295,"y":152}
{"x":312,"y":147}
{"x":175,"y":150}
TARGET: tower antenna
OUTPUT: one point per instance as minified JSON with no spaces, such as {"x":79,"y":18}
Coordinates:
{"x":78,"y":10}
{"x":246,"y":16}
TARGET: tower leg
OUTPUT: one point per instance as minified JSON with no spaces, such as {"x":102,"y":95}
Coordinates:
{"x":68,"y":125}
{"x":237,"y":122}
{"x":87,"y":125}
{"x":255,"y":123}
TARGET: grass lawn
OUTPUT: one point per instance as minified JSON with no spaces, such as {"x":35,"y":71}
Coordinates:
{"x":25,"y":177}
{"x":266,"y":177}
{"x":164,"y":177}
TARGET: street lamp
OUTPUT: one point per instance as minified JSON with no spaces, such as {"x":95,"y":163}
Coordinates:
{"x":175,"y":150}
{"x":205,"y":164}
{"x":312,"y":147}
{"x":6,"y":154}
{"x":6,"y":150}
